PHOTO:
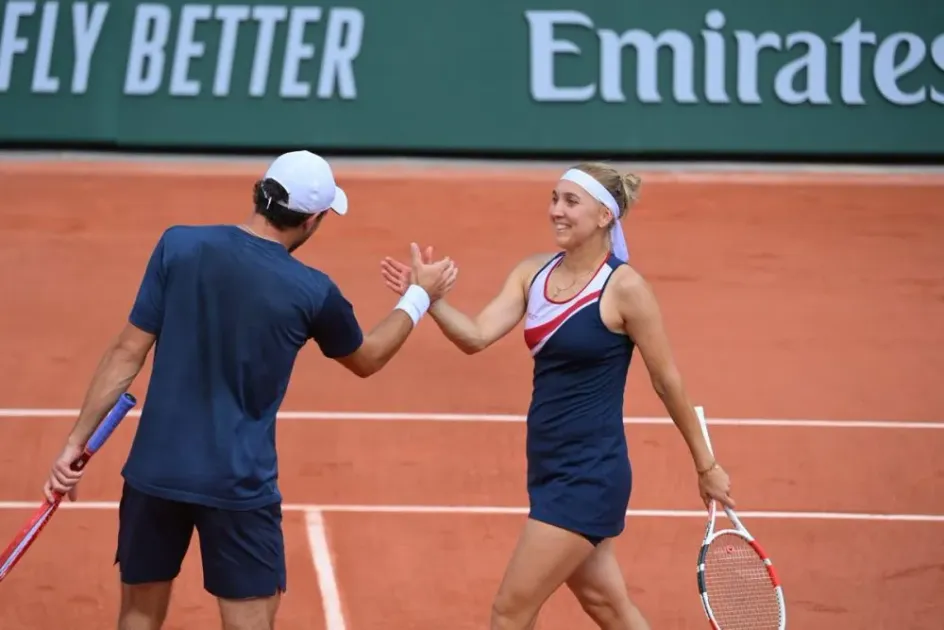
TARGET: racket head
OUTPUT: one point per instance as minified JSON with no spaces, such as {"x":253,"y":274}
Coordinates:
{"x":738,"y":585}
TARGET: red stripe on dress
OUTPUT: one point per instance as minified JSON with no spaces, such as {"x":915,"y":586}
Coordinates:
{"x":534,"y":336}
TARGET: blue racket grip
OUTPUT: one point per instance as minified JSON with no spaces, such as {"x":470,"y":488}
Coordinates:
{"x":114,"y":417}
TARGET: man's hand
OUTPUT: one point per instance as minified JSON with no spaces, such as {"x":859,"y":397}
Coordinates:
{"x":399,"y":276}
{"x":385,"y":340}
{"x":437,"y":279}
{"x":62,"y":479}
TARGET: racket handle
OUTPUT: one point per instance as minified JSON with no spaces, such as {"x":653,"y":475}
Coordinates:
{"x":117,"y":413}
{"x":79,"y":462}
{"x":700,"y":412}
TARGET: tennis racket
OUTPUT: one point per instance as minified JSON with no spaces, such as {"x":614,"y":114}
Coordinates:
{"x":41,"y":517}
{"x":737,"y":583}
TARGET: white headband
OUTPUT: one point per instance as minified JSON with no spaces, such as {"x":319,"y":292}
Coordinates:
{"x":601,"y":194}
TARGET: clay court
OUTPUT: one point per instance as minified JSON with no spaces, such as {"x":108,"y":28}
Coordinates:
{"x":805,"y":311}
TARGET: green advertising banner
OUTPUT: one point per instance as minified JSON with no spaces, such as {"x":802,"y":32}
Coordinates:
{"x":594,"y":76}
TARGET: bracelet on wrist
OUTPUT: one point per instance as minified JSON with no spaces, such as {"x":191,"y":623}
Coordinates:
{"x":415,"y":302}
{"x":707,"y":470}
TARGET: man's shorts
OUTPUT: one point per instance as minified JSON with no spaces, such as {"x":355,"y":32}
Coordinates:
{"x":243,"y":552}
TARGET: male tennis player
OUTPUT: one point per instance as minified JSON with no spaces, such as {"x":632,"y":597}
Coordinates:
{"x":229,"y":308}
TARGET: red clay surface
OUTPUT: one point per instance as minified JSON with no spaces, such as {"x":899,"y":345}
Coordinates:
{"x":781,"y":300}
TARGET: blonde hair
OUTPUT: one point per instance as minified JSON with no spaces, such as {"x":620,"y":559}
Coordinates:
{"x":623,"y":186}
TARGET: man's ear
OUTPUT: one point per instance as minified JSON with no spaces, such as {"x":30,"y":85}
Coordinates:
{"x":315,"y":220}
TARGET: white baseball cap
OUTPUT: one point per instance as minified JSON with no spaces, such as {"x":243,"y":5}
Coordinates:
{"x":309,"y":181}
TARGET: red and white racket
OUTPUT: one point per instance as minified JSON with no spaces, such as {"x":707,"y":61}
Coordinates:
{"x":40,"y":517}
{"x":737,"y":583}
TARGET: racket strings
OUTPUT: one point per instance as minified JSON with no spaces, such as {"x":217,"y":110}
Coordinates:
{"x":739,"y":588}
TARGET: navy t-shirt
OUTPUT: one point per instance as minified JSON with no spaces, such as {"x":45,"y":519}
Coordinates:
{"x":230,"y":311}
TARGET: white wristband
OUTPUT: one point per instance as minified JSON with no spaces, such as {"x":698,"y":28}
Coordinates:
{"x":415,"y":302}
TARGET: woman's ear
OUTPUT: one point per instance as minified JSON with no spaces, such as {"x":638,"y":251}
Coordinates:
{"x":605,"y":218}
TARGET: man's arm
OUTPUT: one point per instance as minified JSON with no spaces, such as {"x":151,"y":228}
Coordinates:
{"x":337,"y":332}
{"x":380,"y":345}
{"x":126,"y":354}
{"x":123,"y":359}
{"x":120,"y":364}
{"x":117,"y":369}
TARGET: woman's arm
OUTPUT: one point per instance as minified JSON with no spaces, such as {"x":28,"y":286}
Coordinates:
{"x":642,"y":321}
{"x":474,"y":334}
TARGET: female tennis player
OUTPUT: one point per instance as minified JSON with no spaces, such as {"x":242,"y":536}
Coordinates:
{"x":586,"y":309}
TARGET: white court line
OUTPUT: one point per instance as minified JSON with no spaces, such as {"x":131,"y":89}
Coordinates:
{"x":324,"y":569}
{"x":514,"y":510}
{"x":108,"y":165}
{"x":10,"y":413}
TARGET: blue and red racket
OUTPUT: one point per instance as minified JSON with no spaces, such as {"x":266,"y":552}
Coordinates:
{"x":38,"y":520}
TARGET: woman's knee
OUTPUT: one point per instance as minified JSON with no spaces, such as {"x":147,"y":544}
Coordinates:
{"x":544,"y":558}
{"x":513,"y":608}
{"x":599,"y":588}
{"x":600,"y":605}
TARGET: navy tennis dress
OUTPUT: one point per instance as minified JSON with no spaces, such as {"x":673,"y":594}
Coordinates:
{"x":579,"y":473}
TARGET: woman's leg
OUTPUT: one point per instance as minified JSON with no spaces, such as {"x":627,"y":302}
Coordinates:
{"x":600,"y":588}
{"x":543,"y":560}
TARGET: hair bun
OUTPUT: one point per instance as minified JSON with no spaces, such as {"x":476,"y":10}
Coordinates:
{"x":631,"y":185}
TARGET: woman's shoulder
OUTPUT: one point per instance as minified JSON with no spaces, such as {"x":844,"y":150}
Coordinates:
{"x":530,"y":266}
{"x":540,"y":259}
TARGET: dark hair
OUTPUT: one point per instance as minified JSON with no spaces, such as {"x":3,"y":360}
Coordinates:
{"x":268,"y":196}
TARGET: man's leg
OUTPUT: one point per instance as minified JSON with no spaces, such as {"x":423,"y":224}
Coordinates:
{"x":244,"y":564}
{"x":153,"y":537}
{"x":249,"y":614}
{"x":144,"y":606}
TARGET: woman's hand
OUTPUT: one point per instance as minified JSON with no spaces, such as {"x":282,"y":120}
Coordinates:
{"x":714,"y":483}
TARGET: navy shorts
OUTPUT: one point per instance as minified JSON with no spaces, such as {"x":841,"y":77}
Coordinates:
{"x":243,"y":552}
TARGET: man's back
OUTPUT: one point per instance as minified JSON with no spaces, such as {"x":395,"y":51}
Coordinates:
{"x":225,"y":309}
{"x":230,"y":310}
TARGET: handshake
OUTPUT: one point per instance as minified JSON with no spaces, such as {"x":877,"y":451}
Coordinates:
{"x":436,"y":278}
